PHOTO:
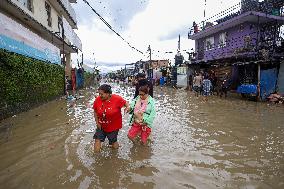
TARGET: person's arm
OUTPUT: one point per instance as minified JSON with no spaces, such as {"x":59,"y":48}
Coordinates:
{"x":127,"y":107}
{"x":97,"y":121}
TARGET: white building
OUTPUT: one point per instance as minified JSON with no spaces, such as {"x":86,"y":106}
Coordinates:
{"x":35,"y":28}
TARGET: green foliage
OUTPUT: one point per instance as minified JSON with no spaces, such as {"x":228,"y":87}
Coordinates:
{"x":88,"y":79}
{"x":25,"y":82}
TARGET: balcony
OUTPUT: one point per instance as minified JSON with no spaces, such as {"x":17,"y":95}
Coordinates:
{"x":64,"y":7}
{"x":249,"y":10}
{"x":61,"y":6}
{"x":71,"y":36}
{"x":26,"y":18}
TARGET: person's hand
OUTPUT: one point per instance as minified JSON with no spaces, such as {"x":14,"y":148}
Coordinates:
{"x":126,"y":109}
{"x":144,"y":127}
{"x":99,"y":126}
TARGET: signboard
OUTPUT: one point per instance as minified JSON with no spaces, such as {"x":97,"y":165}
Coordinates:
{"x":182,"y":76}
{"x":182,"y":70}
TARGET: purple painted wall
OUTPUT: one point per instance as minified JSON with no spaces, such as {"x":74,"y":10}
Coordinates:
{"x":235,"y":44}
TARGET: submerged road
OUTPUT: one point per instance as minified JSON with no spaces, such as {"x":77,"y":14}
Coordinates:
{"x":221,"y":143}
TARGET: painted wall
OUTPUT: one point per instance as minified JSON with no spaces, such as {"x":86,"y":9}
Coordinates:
{"x":14,"y":37}
{"x":234,"y":44}
{"x":40,"y":15}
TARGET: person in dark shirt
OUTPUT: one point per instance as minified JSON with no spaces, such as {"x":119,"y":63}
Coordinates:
{"x":142,"y":81}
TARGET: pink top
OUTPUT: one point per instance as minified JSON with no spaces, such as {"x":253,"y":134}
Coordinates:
{"x":140,"y":106}
{"x":139,"y":109}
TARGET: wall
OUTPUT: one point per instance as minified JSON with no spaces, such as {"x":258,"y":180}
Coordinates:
{"x":41,"y":16}
{"x":234,"y":45}
{"x":15,"y":37}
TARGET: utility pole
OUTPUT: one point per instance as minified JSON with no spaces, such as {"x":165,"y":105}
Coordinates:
{"x":150,"y":74}
{"x":150,"y":51}
{"x":63,"y":61}
{"x":82,"y":60}
{"x":179,"y":43}
{"x":204,"y":15}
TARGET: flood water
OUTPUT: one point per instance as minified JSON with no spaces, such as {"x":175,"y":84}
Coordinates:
{"x":221,"y":143}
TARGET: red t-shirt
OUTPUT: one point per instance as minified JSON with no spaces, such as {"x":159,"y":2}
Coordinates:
{"x":109,"y":112}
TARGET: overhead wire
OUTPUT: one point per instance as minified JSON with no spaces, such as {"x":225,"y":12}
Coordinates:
{"x":110,"y":27}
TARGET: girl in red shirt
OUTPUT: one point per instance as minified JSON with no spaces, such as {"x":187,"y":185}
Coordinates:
{"x":107,"y":113}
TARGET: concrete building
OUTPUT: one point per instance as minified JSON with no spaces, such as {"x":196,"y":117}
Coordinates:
{"x":246,"y":43}
{"x":40,"y":29}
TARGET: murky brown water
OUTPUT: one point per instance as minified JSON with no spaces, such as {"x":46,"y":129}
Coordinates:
{"x":194,"y":144}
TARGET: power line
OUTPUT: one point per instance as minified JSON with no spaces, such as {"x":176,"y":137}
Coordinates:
{"x":110,"y":27}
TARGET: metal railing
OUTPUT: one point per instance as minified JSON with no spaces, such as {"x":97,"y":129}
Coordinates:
{"x":246,"y":5}
{"x":71,"y":35}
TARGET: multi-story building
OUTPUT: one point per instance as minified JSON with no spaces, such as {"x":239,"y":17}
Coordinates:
{"x":41,"y":29}
{"x":246,"y":42}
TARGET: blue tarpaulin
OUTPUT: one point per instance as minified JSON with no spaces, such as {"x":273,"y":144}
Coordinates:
{"x":247,"y":89}
{"x":267,"y":82}
{"x":79,"y":78}
{"x":280,"y":83}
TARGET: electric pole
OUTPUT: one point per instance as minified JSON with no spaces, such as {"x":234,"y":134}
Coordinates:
{"x":150,"y":51}
{"x":204,"y":14}
{"x":150,"y":73}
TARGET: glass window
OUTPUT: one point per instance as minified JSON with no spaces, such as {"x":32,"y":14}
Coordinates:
{"x":48,"y":12}
{"x":60,"y":24}
{"x":27,"y":3}
{"x":222,"y":40}
{"x":209,"y":43}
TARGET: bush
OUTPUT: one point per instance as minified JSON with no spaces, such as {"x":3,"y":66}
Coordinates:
{"x":26,"y":82}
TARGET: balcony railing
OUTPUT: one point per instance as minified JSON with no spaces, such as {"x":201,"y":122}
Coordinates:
{"x":70,"y":35}
{"x":272,"y":7}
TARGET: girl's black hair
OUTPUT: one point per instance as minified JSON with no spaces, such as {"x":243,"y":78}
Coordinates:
{"x":106,"y":88}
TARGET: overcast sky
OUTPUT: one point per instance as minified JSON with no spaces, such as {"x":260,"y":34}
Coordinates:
{"x":141,"y":23}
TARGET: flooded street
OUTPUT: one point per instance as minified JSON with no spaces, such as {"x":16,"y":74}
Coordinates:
{"x":221,"y":143}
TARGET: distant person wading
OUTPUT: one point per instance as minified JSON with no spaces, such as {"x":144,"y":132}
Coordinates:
{"x":142,"y":81}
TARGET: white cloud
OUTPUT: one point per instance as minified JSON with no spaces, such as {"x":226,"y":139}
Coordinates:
{"x":157,"y":23}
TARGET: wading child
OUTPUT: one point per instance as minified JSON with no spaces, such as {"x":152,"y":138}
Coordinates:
{"x":143,"y":112}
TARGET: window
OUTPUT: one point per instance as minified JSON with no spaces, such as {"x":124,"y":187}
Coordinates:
{"x":222,"y":40}
{"x":209,"y":43}
{"x":60,"y":24}
{"x":27,"y":3}
{"x":48,"y":12}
